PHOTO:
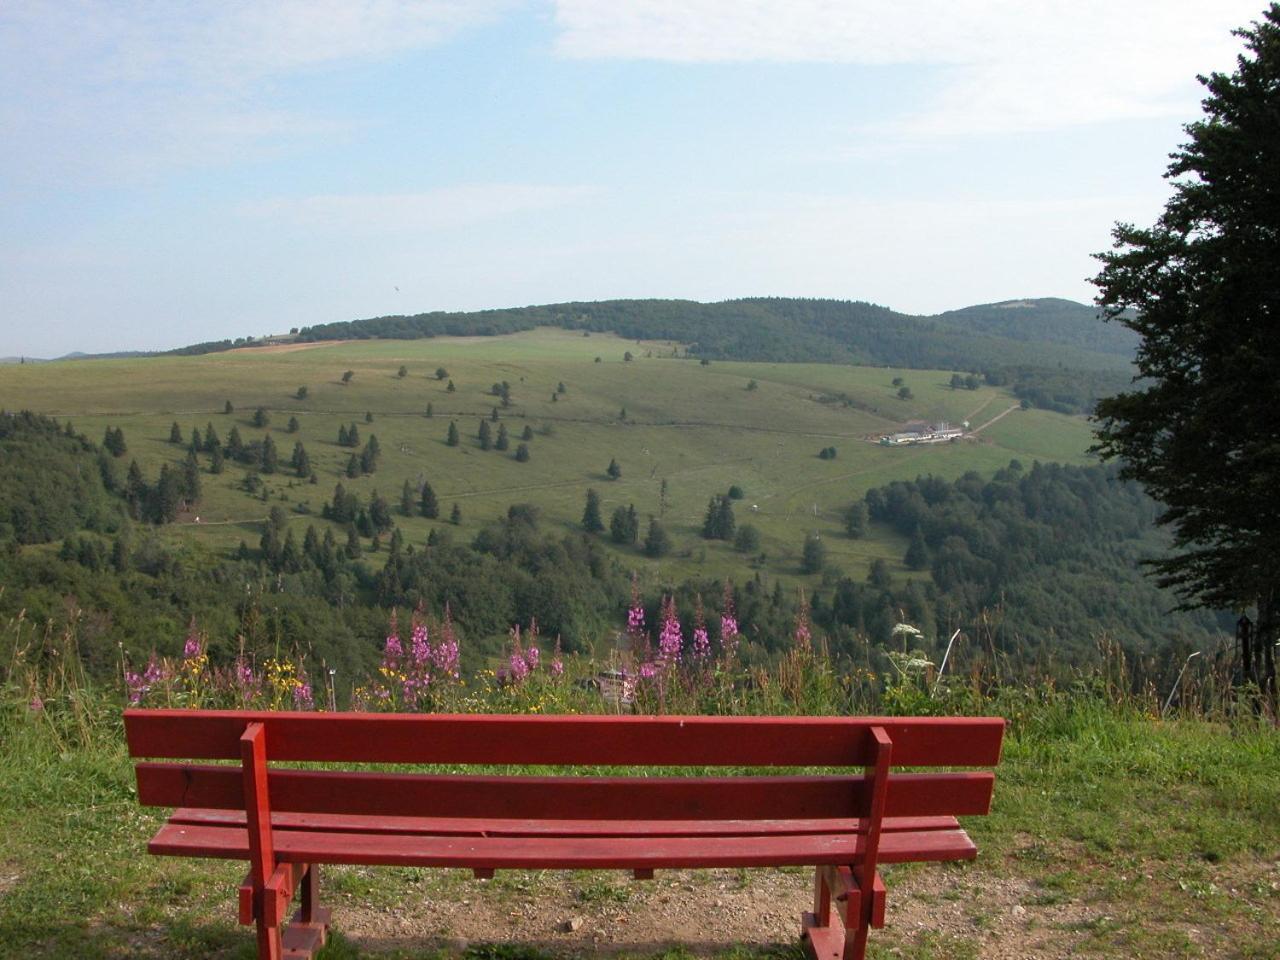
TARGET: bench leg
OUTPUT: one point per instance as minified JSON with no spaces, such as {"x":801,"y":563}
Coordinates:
{"x":270,"y":946}
{"x":309,"y":928}
{"x":842,"y":916}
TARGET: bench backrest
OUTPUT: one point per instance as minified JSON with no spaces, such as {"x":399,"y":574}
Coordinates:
{"x":588,"y":741}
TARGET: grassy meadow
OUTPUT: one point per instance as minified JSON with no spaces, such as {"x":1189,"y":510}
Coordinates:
{"x":699,"y":428}
{"x":1113,"y":834}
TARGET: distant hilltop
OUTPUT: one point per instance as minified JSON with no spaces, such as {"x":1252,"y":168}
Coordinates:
{"x":783,"y":329}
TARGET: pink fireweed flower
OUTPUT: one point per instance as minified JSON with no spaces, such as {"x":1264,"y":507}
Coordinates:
{"x":701,"y":641}
{"x":649,"y":669}
{"x":729,"y":634}
{"x":302,"y":697}
{"x":531,"y":657}
{"x":247,"y":682}
{"x":802,"y":633}
{"x":419,"y":645}
{"x":517,"y":666}
{"x":393,"y":649}
{"x":445,"y":654}
{"x":193,"y":647}
{"x":557,"y":662}
{"x":635,"y":614}
{"x":670,"y":640}
{"x":36,"y":704}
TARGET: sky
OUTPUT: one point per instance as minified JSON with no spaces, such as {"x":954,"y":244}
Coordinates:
{"x":178,"y":170}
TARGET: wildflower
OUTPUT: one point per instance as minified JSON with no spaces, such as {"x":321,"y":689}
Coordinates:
{"x":420,"y":646}
{"x":531,"y":657}
{"x":802,"y":633}
{"x":635,"y":614}
{"x":392,"y":650}
{"x":247,"y":682}
{"x":517,"y":665}
{"x":194,"y":646}
{"x":729,"y":635}
{"x":446,"y":652}
{"x":701,"y":642}
{"x":670,"y":640}
{"x":557,"y":662}
{"x":302,"y":698}
{"x":36,"y":704}
{"x":906,"y":631}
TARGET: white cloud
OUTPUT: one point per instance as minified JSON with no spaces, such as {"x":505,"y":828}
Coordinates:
{"x":425,"y":213}
{"x":123,"y":88}
{"x":1004,"y":64}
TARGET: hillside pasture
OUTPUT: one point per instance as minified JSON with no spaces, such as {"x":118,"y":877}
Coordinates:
{"x":701,"y":428}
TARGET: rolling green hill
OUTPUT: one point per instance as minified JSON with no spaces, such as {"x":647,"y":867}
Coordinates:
{"x":1024,"y":344}
{"x":797,"y":440}
{"x":697,"y":427}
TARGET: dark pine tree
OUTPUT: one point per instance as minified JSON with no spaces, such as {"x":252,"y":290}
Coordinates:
{"x":430,"y":507}
{"x":592,"y":522}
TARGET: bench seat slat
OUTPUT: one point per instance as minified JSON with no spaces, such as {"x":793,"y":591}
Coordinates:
{"x":585,"y":798}
{"x":571,"y":853}
{"x":561,"y":740}
{"x":463,"y":826}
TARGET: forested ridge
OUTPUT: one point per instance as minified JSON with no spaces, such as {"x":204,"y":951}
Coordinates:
{"x":1046,"y":557}
{"x":1056,"y":354}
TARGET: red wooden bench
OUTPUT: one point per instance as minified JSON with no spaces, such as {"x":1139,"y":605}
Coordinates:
{"x":285,"y":821}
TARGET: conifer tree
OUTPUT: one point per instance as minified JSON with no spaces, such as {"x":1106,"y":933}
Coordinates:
{"x":455,"y":515}
{"x":175,"y":433}
{"x":430,"y":507}
{"x":522,"y":453}
{"x":592,"y":522}
{"x":406,"y":499}
{"x":656,"y":541}
{"x":270,"y":457}
{"x":503,"y":441}
{"x":452,"y":437}
{"x":483,"y":435}
{"x":614,"y":471}
{"x":191,"y":478}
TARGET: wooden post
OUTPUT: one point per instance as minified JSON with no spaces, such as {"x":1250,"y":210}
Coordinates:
{"x":870,"y":905}
{"x":262,"y":856}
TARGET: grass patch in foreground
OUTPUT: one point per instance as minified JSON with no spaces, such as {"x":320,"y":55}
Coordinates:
{"x":1114,"y":834}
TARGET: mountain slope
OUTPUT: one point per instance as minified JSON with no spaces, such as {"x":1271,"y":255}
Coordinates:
{"x":1047,"y":320}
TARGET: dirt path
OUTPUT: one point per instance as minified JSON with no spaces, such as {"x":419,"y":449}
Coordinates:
{"x":979,"y":408}
{"x":998,"y":416}
{"x":710,"y":911}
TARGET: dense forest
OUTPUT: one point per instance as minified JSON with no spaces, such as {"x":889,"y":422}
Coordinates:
{"x":1053,"y":353}
{"x":1045,"y":558}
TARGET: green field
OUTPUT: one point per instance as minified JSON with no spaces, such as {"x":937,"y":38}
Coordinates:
{"x":698,"y":427}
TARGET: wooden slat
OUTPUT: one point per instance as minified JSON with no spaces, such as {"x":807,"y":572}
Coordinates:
{"x":584,"y":798}
{"x":478,"y":827}
{"x":554,"y":740}
{"x":578,"y":853}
